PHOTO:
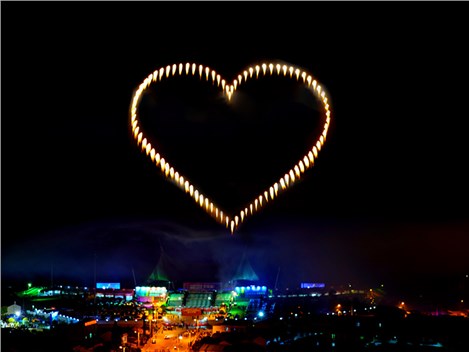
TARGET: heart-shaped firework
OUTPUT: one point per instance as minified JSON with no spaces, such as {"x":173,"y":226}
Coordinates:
{"x":254,"y":72}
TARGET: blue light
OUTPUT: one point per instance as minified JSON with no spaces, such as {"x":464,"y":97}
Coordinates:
{"x":260,"y":314}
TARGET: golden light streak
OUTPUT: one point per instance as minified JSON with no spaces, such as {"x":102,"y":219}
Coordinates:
{"x":297,"y":170}
{"x":302,"y":166}
{"x":315,"y":152}
{"x":286,"y":181}
{"x":318,"y":146}
{"x":282,"y":183}
{"x":201,"y":200}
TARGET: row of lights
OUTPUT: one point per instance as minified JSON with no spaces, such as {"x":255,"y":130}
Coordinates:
{"x":212,"y":76}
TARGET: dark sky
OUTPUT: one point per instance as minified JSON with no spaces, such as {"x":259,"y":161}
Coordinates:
{"x":385,"y":202}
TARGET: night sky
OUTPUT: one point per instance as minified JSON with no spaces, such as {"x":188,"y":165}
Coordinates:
{"x":386,"y":202}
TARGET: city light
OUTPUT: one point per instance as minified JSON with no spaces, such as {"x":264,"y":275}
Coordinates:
{"x":211,"y":76}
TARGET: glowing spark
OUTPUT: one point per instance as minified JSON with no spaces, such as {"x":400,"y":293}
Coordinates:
{"x":311,"y":157}
{"x":245,"y":73}
{"x":218,"y":80}
{"x":257,"y":71}
{"x":174,"y":69}
{"x":213,"y":76}
{"x":180,"y":69}
{"x":302,"y":166}
{"x":271,"y":68}
{"x":161,"y":73}
{"x":188,"y":66}
{"x":264,"y":68}
{"x":201,"y":200}
{"x":201,"y":70}
{"x":251,"y":71}
{"x":194,"y":67}
{"x":297,"y":170}
{"x":168,"y":70}
{"x":303,"y":75}
{"x":291,"y":71}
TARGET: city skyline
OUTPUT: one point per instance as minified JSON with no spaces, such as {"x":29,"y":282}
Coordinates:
{"x":385,"y":201}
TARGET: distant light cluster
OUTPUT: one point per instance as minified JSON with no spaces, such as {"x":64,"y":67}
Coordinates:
{"x":211,"y":76}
